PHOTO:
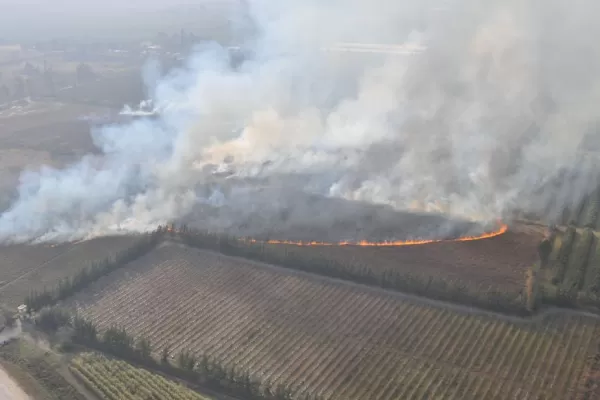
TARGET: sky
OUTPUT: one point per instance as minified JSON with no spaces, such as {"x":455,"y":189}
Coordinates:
{"x":31,"y":19}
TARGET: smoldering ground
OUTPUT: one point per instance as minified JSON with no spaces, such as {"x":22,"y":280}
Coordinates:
{"x":499,"y":106}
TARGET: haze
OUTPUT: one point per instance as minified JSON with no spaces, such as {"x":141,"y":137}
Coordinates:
{"x":32,"y":19}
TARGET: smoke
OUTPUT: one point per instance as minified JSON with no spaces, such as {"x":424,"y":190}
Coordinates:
{"x":485,"y":121}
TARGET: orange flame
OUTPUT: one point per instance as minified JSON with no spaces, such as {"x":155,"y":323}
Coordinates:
{"x":502,"y":229}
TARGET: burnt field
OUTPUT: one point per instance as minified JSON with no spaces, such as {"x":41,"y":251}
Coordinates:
{"x":329,"y":339}
{"x":499,"y":262}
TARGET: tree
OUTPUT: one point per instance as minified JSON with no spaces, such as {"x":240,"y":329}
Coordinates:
{"x":164,"y":355}
{"x":53,"y":318}
{"x":9,"y":319}
{"x":144,"y":348}
{"x":85,"y":330}
{"x":544,"y":250}
{"x":532,"y":286}
{"x":118,"y":340}
{"x":186,"y":360}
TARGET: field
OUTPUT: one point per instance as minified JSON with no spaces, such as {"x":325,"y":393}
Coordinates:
{"x":575,"y":262}
{"x":335,"y":340}
{"x":37,"y":371}
{"x":499,"y":262}
{"x":28,"y":268}
{"x":42,"y":133}
{"x":113,"y":380}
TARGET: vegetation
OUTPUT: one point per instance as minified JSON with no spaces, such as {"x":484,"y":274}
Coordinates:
{"x":66,"y":287}
{"x":573,"y":274}
{"x":37,"y":371}
{"x":261,"y":331}
{"x":438,"y":288}
{"x":585,"y":213}
{"x":115,"y":379}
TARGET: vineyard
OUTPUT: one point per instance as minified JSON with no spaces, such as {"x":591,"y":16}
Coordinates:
{"x":322,"y":338}
{"x":584,"y":213}
{"x":112,"y":379}
{"x":575,"y":262}
{"x":486,"y":273}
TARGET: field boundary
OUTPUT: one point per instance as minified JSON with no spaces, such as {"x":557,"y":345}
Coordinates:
{"x":213,"y":364}
{"x":481,"y":296}
{"x":42,"y":265}
{"x":544,"y":312}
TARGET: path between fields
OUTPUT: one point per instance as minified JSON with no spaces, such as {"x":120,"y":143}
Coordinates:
{"x":42,"y":265}
{"x":9,"y":389}
{"x":538,"y":317}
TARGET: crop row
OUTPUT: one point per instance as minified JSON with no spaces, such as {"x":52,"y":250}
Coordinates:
{"x":112,"y":379}
{"x":484,"y":273}
{"x":583,"y":213}
{"x":326,"y":339}
{"x":575,"y":262}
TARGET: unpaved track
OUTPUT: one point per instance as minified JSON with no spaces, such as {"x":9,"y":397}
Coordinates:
{"x":9,"y":389}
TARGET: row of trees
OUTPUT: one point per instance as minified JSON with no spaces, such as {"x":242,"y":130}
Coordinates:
{"x":68,"y":286}
{"x":485,"y":297}
{"x":198,"y":369}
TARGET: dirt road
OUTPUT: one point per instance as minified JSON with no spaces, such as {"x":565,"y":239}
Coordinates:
{"x":9,"y":389}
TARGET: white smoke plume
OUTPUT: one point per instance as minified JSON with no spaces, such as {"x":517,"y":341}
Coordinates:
{"x":502,"y":102}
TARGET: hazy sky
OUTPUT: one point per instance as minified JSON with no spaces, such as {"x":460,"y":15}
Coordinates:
{"x":32,"y":19}
{"x":82,"y":4}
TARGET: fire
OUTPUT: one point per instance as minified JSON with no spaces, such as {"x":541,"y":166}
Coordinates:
{"x":502,"y":229}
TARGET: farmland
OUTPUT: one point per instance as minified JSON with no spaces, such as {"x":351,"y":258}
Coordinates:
{"x":574,"y":264}
{"x":42,"y":133}
{"x":336,"y":340}
{"x":33,"y":268}
{"x":456,"y":271}
{"x":114,"y":379}
{"x":498,"y":262}
{"x":37,"y":371}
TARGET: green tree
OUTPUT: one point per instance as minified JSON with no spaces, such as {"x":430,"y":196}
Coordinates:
{"x":84,"y":330}
{"x":532,"y":288}
{"x":544,"y":250}
{"x":144,"y":348}
{"x":164,"y":355}
{"x":186,"y":360}
{"x":117,"y":340}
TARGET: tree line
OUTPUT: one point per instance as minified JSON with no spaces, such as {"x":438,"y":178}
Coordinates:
{"x":66,"y":287}
{"x":198,"y":369}
{"x":485,"y":297}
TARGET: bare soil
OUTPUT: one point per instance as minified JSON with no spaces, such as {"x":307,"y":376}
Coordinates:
{"x":9,"y":389}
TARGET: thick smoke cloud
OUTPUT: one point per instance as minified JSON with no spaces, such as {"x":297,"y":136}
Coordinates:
{"x":500,"y":105}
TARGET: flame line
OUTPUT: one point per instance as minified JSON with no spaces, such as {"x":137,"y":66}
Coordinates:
{"x":501,"y":230}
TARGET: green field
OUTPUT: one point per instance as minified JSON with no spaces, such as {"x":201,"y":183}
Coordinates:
{"x":112,"y":379}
